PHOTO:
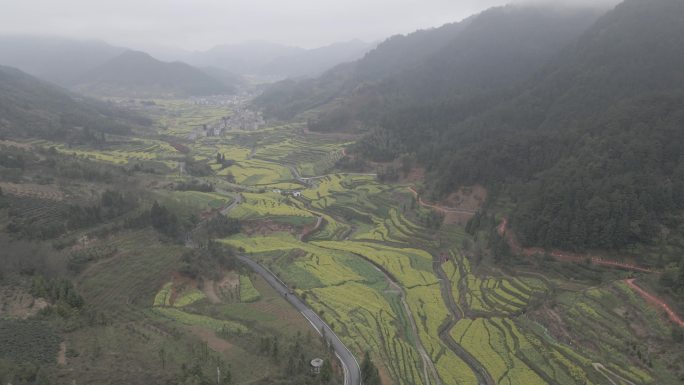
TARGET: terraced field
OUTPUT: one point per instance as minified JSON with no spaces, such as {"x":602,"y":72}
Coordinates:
{"x":363,"y":256}
{"x":371,"y":235}
{"x":133,"y":150}
{"x":268,"y":205}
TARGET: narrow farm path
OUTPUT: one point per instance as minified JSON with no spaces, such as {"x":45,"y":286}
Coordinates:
{"x":483,"y":377}
{"x":396,"y":287}
{"x":610,"y":375}
{"x":442,"y":209}
{"x":505,"y":232}
{"x":209,"y":289}
{"x":427,"y":361}
{"x":61,"y":354}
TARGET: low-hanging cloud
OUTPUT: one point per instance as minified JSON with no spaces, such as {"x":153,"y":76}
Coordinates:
{"x":200,"y":24}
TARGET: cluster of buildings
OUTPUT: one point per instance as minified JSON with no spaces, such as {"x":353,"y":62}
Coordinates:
{"x":242,"y":120}
{"x":220,"y":100}
{"x":294,"y":193}
{"x":245,"y":120}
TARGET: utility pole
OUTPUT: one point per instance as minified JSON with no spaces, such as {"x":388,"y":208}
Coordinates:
{"x":218,"y":375}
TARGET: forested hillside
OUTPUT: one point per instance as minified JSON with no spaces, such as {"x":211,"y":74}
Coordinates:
{"x":587,"y":140}
{"x":33,"y":108}
{"x":593,"y":143}
{"x":491,"y":51}
{"x":590,"y":147}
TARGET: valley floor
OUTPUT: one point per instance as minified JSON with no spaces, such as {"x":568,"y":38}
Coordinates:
{"x":428,"y":302}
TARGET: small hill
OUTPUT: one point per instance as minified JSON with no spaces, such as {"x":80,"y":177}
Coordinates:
{"x":57,"y":60}
{"x":137,"y":74}
{"x":32,"y":108}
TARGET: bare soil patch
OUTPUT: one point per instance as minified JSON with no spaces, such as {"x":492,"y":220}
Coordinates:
{"x":10,"y":143}
{"x":467,"y":198}
{"x":180,"y":284}
{"x":16,"y":303}
{"x":229,"y":285}
{"x":209,"y":289}
{"x":451,"y":218}
{"x":222,"y":290}
{"x":61,"y":355}
{"x":385,"y":378}
{"x":417,"y":174}
{"x":214,"y":342}
{"x":266,"y":227}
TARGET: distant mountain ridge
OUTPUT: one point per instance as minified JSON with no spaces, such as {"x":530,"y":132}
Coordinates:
{"x":245,"y":59}
{"x":276,"y":60}
{"x":493,"y":50}
{"x":135,"y":73}
{"x":73,"y":63}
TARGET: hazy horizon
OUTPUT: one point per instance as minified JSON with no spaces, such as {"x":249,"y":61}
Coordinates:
{"x":200,"y":25}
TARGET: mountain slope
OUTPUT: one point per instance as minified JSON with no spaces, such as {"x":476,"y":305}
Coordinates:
{"x":591,"y":147}
{"x":494,"y":50}
{"x":286,"y":99}
{"x":138,"y":74}
{"x":56,"y":60}
{"x":33,"y":108}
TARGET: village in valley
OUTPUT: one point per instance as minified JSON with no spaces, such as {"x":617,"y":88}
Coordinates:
{"x":242,"y":119}
{"x":238,"y":116}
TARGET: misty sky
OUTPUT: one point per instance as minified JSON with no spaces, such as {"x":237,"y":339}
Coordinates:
{"x":201,"y":24}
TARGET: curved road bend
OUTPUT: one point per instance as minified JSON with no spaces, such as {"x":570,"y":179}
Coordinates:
{"x":237,"y":199}
{"x":352,"y":370}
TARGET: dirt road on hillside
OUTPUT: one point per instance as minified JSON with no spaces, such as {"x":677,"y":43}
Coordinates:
{"x":442,"y":209}
{"x":655,"y":301}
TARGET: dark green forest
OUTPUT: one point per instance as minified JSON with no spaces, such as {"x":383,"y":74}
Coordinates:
{"x":588,"y":144}
{"x":33,"y":108}
{"x":591,"y":148}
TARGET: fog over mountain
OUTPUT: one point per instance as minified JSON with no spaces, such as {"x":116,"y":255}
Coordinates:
{"x":338,"y":192}
{"x":201,"y":25}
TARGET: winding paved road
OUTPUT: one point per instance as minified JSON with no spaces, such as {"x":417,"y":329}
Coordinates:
{"x":237,"y":199}
{"x":352,"y":370}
